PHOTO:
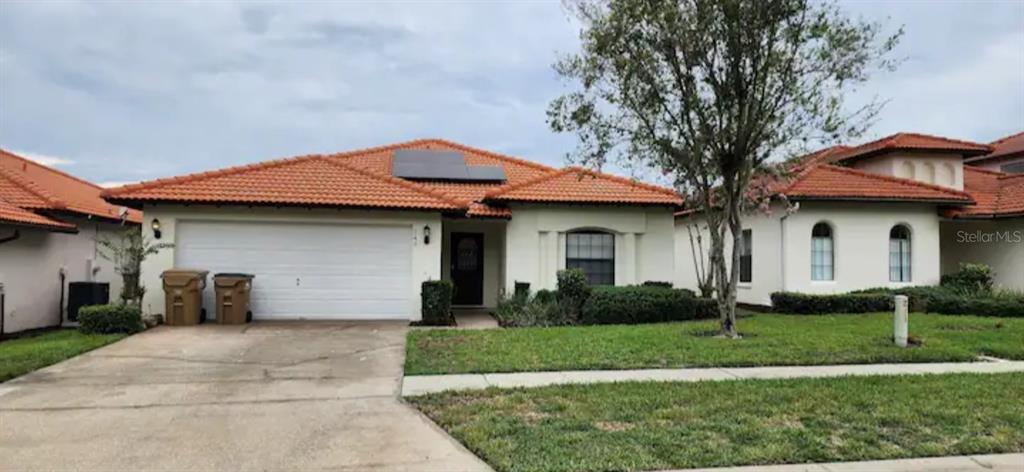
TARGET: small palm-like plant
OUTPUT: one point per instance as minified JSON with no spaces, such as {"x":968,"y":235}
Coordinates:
{"x":127,"y":251}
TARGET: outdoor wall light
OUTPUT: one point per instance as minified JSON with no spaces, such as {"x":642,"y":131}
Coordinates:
{"x":156,"y":228}
{"x":426,"y":234}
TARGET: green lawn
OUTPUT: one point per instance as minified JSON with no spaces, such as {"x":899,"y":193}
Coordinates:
{"x":22,"y":355}
{"x":768,"y":340}
{"x":649,"y":426}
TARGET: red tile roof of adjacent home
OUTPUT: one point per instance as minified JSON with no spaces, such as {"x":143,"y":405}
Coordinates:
{"x":1010,"y":146}
{"x":362,"y":178}
{"x":575,"y":184}
{"x":14,"y":215}
{"x":995,"y":194}
{"x":61,"y":191}
{"x":829,"y":182}
{"x":913,"y":142}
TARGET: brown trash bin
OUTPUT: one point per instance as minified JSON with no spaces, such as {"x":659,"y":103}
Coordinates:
{"x":183,"y":295}
{"x":233,"y":297}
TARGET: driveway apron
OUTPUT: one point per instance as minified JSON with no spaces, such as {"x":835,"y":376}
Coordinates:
{"x":264,"y":396}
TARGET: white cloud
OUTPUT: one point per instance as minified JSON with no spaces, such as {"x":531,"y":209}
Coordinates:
{"x":44,"y":159}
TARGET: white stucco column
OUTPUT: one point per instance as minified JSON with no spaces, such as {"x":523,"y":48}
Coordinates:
{"x":630,"y":259}
{"x":549,"y":278}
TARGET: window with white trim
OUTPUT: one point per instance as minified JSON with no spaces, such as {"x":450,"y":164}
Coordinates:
{"x":899,"y":254}
{"x":593,"y":252}
{"x":822,"y":256}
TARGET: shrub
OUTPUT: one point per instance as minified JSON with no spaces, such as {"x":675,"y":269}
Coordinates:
{"x":522,"y":311}
{"x":436,"y":296}
{"x":987,"y":306}
{"x":573,"y":291}
{"x":630,"y":305}
{"x":112,"y":318}
{"x":808,"y":304}
{"x":971,"y":280}
{"x":656,"y":283}
{"x":546,"y":296}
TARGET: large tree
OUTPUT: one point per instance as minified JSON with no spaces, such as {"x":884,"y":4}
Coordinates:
{"x":709,"y":90}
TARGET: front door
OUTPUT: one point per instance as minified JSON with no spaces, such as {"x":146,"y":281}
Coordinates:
{"x":467,"y":268}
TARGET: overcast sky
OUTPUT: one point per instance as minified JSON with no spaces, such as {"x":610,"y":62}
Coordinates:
{"x":126,"y":91}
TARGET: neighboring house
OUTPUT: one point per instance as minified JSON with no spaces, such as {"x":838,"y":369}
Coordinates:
{"x":1007,"y":155}
{"x":49,"y":223}
{"x":902,"y":210}
{"x":353,"y":235}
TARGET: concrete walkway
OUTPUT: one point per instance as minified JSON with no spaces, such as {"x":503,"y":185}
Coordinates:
{"x":978,"y":463}
{"x":423,"y":384}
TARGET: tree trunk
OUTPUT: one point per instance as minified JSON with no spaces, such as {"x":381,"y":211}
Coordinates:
{"x":729,"y":314}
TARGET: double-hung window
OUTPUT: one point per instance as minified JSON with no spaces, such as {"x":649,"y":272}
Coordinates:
{"x":592,"y":252}
{"x":822,"y":256}
{"x":899,"y":254}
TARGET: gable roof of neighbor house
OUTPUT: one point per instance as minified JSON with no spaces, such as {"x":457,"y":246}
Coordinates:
{"x":995,"y":194}
{"x":1003,"y":148}
{"x":45,"y":188}
{"x":912,"y":142}
{"x":14,"y":215}
{"x":362,"y":178}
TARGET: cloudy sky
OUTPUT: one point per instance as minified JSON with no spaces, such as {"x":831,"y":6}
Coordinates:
{"x":126,"y":91}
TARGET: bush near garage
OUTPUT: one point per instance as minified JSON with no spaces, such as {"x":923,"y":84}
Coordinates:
{"x":109,"y":319}
{"x":436,"y":297}
{"x":645,"y":304}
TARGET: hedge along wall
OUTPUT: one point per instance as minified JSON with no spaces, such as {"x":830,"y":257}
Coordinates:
{"x":631,"y":305}
{"x":922,"y":299}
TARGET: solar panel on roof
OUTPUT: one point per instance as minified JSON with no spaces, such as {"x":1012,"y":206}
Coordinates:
{"x":420,"y":164}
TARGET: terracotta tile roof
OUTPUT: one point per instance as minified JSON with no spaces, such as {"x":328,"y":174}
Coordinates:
{"x":14,"y":215}
{"x":19,"y":191}
{"x":912,"y":142}
{"x":995,"y":195}
{"x":821,"y":156}
{"x":363,"y":178}
{"x":829,"y":182}
{"x":578,"y":185}
{"x":314,"y":180}
{"x":63,"y":190}
{"x":1010,"y":146}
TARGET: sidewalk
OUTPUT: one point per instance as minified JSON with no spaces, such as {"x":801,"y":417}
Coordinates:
{"x":988,"y":463}
{"x":423,"y":384}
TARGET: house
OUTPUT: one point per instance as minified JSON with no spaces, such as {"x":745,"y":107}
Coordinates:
{"x":49,"y":224}
{"x":1007,"y":155}
{"x":353,"y":235}
{"x":902,"y":210}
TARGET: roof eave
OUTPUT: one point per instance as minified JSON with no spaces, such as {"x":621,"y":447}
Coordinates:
{"x":137,"y":203}
{"x":941,"y":201}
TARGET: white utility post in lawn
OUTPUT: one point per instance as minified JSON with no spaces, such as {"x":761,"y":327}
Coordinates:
{"x":899,"y":321}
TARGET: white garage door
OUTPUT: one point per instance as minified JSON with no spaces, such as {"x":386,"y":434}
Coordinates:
{"x":306,"y":271}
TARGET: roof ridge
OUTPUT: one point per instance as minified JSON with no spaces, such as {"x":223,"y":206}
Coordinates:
{"x":29,"y":186}
{"x":943,"y":138}
{"x":51,"y":169}
{"x":1005,"y":138}
{"x":395,"y":180}
{"x":197,"y":176}
{"x":505,"y":157}
{"x":901,"y":180}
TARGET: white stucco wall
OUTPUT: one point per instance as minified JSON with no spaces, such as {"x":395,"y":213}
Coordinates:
{"x":494,"y":248}
{"x":946,"y":170}
{"x":535,"y":242}
{"x":997,"y":243}
{"x":781,"y":259}
{"x":998,"y":164}
{"x":30,"y":271}
{"x":426,"y":258}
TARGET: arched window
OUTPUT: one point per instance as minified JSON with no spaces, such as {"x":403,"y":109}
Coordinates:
{"x":593,"y":252}
{"x":822,"y":256}
{"x":899,"y":254}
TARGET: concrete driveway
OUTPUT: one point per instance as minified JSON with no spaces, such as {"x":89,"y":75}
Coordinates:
{"x":266,"y":396}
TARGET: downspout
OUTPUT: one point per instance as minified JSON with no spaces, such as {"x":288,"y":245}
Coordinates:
{"x":60,"y":308}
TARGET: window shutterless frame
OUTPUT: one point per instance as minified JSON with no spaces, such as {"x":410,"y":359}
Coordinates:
{"x":593,"y":252}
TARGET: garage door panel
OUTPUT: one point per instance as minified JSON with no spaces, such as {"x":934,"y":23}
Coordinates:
{"x":342,"y":271}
